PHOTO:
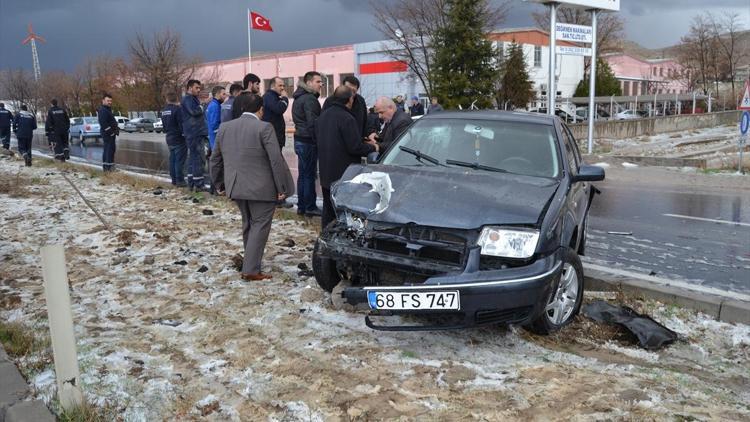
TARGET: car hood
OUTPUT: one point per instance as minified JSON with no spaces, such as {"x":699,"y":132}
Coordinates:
{"x":443,"y":197}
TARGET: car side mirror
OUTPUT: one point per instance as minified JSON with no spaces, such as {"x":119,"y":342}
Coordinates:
{"x":589,"y":174}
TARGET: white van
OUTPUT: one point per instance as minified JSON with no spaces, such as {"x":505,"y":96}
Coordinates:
{"x":121,"y":120}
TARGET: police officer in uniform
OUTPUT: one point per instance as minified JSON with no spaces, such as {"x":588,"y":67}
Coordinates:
{"x":109,"y":130}
{"x":6,"y":119}
{"x":24,"y":125}
{"x":171,"y":116}
{"x":57,"y":127}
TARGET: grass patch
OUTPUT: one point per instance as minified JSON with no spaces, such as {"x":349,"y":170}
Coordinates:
{"x":408,"y":354}
{"x":120,"y":178}
{"x":87,"y":412}
{"x":17,"y":340}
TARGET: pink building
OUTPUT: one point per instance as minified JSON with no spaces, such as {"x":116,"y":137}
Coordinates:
{"x":646,"y":76}
{"x":334,"y":63}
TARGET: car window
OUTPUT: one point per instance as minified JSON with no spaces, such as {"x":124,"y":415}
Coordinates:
{"x":518,"y":147}
{"x":576,"y":150}
{"x":90,"y":120}
{"x":570,"y":154}
{"x":77,"y":121}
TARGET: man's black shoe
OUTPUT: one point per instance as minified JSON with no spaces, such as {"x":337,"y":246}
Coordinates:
{"x":313,"y":213}
{"x":28,"y":161}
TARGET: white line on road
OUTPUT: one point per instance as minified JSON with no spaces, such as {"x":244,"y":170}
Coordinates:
{"x":710,"y":220}
{"x":667,"y":282}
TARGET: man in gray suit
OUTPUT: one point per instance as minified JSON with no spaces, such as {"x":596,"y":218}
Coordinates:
{"x":248,"y":167}
{"x":396,"y":122}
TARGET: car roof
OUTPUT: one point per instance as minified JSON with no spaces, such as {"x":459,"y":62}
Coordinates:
{"x":507,"y":116}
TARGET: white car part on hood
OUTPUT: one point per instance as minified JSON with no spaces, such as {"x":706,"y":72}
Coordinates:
{"x":381,"y":184}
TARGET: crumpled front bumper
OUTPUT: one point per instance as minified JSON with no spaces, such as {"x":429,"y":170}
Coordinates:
{"x":512,"y":295}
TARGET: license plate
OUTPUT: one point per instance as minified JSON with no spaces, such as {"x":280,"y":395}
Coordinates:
{"x":413,"y":300}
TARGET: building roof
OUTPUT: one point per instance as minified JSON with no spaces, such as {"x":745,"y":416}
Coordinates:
{"x":525,"y":35}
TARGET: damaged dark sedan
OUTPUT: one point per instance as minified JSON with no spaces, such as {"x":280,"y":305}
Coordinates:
{"x":479,"y":217}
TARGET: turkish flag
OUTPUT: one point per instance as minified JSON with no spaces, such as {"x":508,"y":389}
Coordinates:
{"x":259,"y":22}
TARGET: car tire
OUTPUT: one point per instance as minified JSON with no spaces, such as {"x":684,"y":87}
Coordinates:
{"x":559,"y":311}
{"x":324,"y":270}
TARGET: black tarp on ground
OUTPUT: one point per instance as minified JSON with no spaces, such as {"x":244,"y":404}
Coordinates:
{"x":651,"y":335}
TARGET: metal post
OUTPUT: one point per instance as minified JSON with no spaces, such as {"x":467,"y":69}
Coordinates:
{"x":693,"y":102}
{"x":552,"y":88}
{"x":710,"y":101}
{"x":592,"y":82}
{"x":654,"y":110}
{"x":249,"y":43}
{"x":611,"y":104}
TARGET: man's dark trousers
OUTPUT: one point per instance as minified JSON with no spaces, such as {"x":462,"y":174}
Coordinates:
{"x":108,"y":156}
{"x":177,"y":155}
{"x":5,"y":136}
{"x":62,"y":147}
{"x":195,"y":161}
{"x":307,"y":162}
{"x":24,"y":147}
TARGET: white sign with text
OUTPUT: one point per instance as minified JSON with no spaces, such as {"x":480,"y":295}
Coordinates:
{"x":574,"y":33}
{"x":573,"y":51}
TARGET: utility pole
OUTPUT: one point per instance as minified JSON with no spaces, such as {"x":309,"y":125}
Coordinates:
{"x":32,"y":38}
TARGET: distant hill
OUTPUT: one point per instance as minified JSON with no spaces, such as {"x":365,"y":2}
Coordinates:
{"x":635,"y":49}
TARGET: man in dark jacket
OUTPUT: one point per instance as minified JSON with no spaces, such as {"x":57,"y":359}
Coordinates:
{"x":171,"y":116}
{"x":359,"y":107}
{"x":226,"y":106}
{"x":24,"y":125}
{"x":57,"y":127}
{"x":339,"y":145}
{"x":275,"y":103}
{"x":6,"y":119}
{"x":416,"y":108}
{"x":305,"y":110}
{"x":196,"y":134}
{"x":396,"y":122}
{"x":109,"y":131}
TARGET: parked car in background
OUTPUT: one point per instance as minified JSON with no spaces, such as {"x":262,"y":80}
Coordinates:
{"x":501,"y":242}
{"x":139,"y":124}
{"x":627,"y":115}
{"x":582,"y":114}
{"x":121,"y":120}
{"x":83,"y":128}
{"x":562,"y":114}
{"x":158,"y":126}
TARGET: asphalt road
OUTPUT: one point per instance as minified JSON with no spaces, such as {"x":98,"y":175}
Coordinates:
{"x":647,"y":220}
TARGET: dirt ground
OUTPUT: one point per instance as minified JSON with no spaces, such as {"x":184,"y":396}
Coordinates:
{"x":166,"y":329}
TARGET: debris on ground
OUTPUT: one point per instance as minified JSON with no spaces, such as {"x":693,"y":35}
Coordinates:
{"x":650,"y":334}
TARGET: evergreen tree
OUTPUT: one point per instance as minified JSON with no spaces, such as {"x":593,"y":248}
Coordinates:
{"x":606,"y":83}
{"x":464,"y":71}
{"x":515,"y":85}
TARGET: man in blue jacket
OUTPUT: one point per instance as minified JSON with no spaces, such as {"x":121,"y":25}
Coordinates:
{"x":109,"y":131}
{"x":213,"y":114}
{"x":226,"y":106}
{"x":6,"y":119}
{"x":196,"y":134}
{"x":171,"y":116}
{"x":24,"y":125}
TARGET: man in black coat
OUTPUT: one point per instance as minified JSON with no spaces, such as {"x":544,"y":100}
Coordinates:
{"x":359,"y":108}
{"x":24,"y":125}
{"x":109,"y":131}
{"x":57,"y":128}
{"x":339,"y":145}
{"x":6,"y":120}
{"x":275,"y":103}
{"x":305,"y":111}
{"x":396,"y":122}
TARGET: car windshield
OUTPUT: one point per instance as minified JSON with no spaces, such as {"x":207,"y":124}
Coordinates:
{"x":515,"y":147}
{"x":90,"y":120}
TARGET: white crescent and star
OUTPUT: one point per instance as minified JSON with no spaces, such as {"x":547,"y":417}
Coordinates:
{"x":260,"y":21}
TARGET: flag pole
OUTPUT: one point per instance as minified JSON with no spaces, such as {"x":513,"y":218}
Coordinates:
{"x":249,"y":44}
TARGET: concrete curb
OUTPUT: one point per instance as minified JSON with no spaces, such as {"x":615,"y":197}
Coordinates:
{"x":13,"y":391}
{"x":721,"y":308}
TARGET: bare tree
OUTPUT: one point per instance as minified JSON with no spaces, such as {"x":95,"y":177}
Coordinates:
{"x":609,"y":28}
{"x":410,"y":26}
{"x":20,"y":88}
{"x":695,"y":51}
{"x":726,"y":34}
{"x":159,"y":65}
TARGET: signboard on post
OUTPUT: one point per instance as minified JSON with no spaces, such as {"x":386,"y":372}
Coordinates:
{"x":574,"y":33}
{"x":574,"y":51}
{"x":745,"y":102}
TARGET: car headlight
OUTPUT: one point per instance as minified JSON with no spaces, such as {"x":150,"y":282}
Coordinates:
{"x":508,"y":243}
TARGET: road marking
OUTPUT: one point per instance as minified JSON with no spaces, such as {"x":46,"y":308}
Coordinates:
{"x":710,"y":220}
{"x":667,"y":282}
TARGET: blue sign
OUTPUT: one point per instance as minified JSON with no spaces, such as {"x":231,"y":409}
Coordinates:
{"x":744,"y":122}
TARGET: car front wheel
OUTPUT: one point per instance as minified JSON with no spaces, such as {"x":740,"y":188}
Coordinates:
{"x":324,"y":270}
{"x":565,"y":299}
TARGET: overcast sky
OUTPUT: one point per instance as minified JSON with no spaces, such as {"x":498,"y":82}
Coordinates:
{"x":75,"y":29}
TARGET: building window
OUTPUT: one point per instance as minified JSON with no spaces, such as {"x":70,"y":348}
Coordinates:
{"x":328,"y":86}
{"x":661,"y":71}
{"x":500,"y":52}
{"x":626,"y":88}
{"x":267,"y":84}
{"x":289,"y":85}
{"x":537,"y":56}
{"x":653,"y":71}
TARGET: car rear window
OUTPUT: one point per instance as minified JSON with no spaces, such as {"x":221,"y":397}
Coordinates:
{"x":90,"y":120}
{"x":518,"y":147}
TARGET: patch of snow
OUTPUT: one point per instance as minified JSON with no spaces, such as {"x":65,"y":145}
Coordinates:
{"x":629,"y":165}
{"x":602,"y":165}
{"x":633,"y":353}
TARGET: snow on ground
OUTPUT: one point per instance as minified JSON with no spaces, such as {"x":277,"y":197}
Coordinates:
{"x":676,"y":143}
{"x":159,"y":339}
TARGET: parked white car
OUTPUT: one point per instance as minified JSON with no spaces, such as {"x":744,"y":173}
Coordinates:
{"x":627,"y":115}
{"x":158,"y":125}
{"x":121,"y":120}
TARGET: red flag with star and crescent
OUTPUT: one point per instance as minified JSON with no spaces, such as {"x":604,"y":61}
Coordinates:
{"x":259,"y":22}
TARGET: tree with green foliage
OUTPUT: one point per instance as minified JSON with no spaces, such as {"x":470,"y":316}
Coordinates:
{"x":606,"y":83}
{"x":516,"y":88}
{"x":464,"y":69}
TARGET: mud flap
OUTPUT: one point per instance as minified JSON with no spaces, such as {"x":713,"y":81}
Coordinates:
{"x":651,"y":335}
